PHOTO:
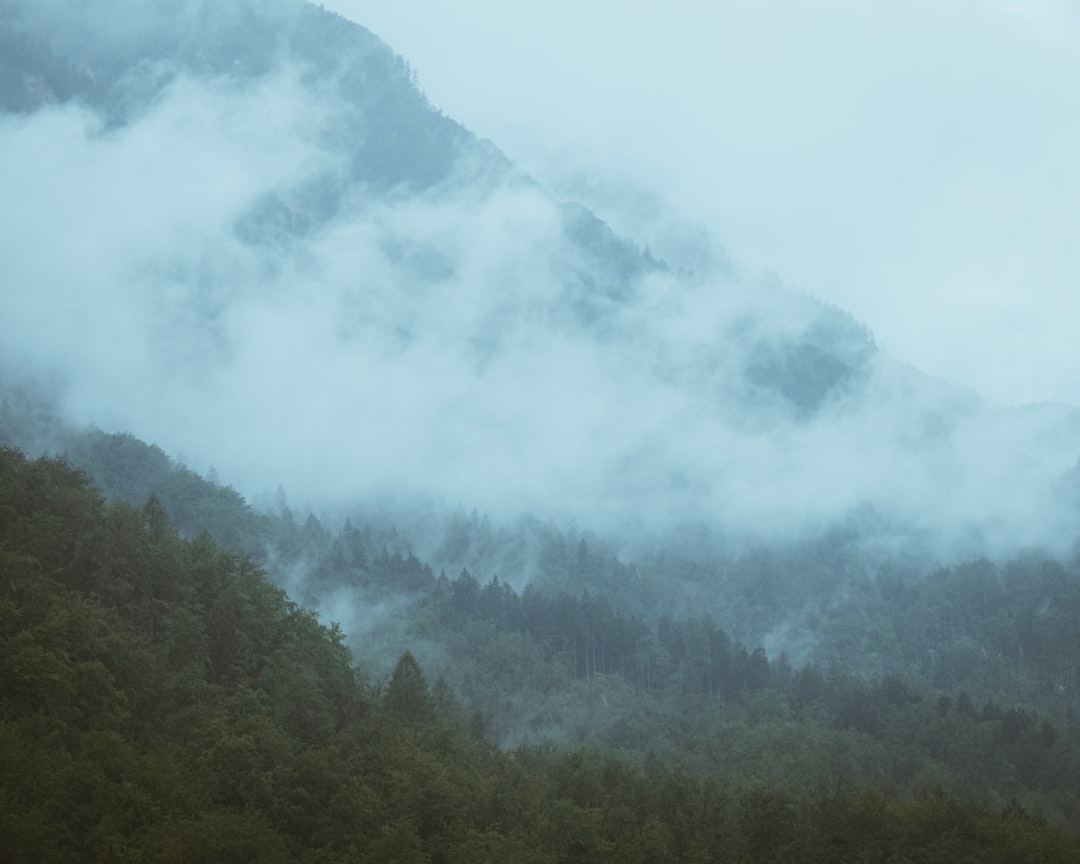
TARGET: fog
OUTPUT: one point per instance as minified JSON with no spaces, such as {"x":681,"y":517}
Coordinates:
{"x":455,"y":343}
{"x":916,"y":163}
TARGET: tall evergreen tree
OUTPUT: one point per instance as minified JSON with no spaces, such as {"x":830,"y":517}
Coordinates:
{"x":407,"y":694}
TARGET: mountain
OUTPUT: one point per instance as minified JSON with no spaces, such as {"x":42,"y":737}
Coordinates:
{"x":242,"y":232}
{"x":247,"y":235}
{"x":696,"y":568}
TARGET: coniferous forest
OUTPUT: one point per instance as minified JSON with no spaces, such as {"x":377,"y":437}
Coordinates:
{"x":547,"y":548}
{"x":163,"y":701}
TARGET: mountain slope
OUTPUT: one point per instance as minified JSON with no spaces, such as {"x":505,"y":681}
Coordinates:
{"x":677,"y":520}
{"x":246,"y":235}
{"x":163,"y":702}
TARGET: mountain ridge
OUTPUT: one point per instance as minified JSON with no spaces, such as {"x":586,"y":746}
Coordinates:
{"x":697,"y":569}
{"x":363,"y":240}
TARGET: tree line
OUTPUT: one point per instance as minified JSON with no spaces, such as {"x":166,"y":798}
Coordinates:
{"x":164,"y":702}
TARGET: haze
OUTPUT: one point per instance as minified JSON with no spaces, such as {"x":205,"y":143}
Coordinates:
{"x":461,"y":342}
{"x":917,"y":163}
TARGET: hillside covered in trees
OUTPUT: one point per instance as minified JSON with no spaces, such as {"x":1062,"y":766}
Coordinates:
{"x":164,"y":702}
{"x":539,"y":547}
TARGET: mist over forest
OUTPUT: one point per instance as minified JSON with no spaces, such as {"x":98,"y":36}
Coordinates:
{"x":252,"y":241}
{"x":253,"y":280}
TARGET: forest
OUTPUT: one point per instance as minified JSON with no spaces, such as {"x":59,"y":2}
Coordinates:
{"x":532,"y":546}
{"x":163,"y":700}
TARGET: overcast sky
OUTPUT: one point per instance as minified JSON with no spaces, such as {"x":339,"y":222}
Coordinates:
{"x":917,"y":163}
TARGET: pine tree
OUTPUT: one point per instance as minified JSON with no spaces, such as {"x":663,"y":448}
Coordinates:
{"x":407,"y":695}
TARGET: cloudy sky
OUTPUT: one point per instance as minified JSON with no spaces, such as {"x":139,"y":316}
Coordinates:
{"x":917,"y":163}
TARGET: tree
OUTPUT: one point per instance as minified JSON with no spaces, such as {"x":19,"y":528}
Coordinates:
{"x":155,"y":519}
{"x":407,"y":695}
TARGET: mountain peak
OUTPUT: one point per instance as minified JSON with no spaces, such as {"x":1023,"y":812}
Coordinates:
{"x":260,"y":215}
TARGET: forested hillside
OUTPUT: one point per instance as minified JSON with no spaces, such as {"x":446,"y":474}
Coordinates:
{"x":526,"y":544}
{"x":164,"y":702}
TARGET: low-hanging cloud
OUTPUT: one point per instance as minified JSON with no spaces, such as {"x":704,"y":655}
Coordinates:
{"x":455,"y":342}
{"x":916,"y":162}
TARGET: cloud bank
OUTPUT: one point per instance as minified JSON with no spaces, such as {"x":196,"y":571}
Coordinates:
{"x":914,"y":162}
{"x":460,"y":343}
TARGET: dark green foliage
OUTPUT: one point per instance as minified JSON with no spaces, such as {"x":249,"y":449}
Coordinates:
{"x":407,"y":696}
{"x":130,"y":470}
{"x":125,"y":648}
{"x":513,"y":659}
{"x":163,"y":702}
